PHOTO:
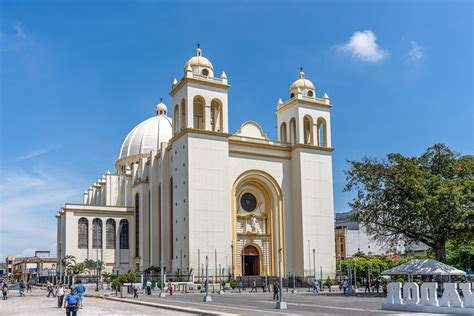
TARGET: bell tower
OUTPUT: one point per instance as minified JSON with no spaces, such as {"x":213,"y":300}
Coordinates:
{"x":199,"y":98}
{"x":304,"y":122}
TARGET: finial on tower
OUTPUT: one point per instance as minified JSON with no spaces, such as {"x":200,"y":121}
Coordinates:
{"x":198,"y":50}
{"x":301,"y":73}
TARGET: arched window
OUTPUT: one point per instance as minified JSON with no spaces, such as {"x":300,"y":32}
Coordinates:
{"x":110,"y":234}
{"x":293,"y":131}
{"x":308,"y":130}
{"x":137,"y":225}
{"x":283,"y":137}
{"x":176,"y":119}
{"x":216,"y":116}
{"x":198,"y":113}
{"x":97,"y":233}
{"x":123,"y":226}
{"x":183,"y":114}
{"x":83,"y":237}
{"x":322,"y":133}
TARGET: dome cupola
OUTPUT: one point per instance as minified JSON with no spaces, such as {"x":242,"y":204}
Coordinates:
{"x":199,"y":64}
{"x":161,"y":108}
{"x":303,"y":86}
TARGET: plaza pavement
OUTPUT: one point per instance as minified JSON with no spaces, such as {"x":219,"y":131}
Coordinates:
{"x":302,"y":303}
{"x":36,"y":303}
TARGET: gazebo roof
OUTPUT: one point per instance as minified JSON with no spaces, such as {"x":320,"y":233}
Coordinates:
{"x":423,"y":266}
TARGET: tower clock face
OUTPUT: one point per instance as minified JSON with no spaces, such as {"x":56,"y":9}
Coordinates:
{"x":248,"y":202}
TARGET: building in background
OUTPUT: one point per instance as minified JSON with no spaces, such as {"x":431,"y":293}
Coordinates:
{"x":186,"y":188}
{"x":351,"y":237}
{"x":39,"y":268}
{"x":9,"y":266}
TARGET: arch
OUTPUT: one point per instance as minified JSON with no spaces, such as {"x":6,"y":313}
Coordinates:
{"x":322,"y":132}
{"x":97,"y":233}
{"x":124,"y":235}
{"x":182,"y":118}
{"x":137,"y":225}
{"x":199,"y":113}
{"x":110,"y":234}
{"x":251,"y":262}
{"x":265,"y":182}
{"x":83,"y":233}
{"x":176,"y":119}
{"x":308,"y":130}
{"x":293,"y":130}
{"x":283,"y":136}
{"x":251,"y":129}
{"x":216,"y":115}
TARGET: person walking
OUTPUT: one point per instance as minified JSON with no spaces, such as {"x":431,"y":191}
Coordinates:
{"x":60,"y":294}
{"x":367,"y":286}
{"x":377,"y":286}
{"x":28,"y":286}
{"x":241,"y":286}
{"x":264,"y":286}
{"x":344,"y":286}
{"x":80,"y":290}
{"x":71,"y":303}
{"x":315,"y":287}
{"x":275,"y":291}
{"x":254,"y":286}
{"x":135,"y":291}
{"x":170,"y":288}
{"x":50,"y":289}
{"x":5,"y":291}
{"x":148,"y":287}
{"x":21,"y":288}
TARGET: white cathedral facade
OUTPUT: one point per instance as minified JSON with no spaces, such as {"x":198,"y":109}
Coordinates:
{"x":186,"y":187}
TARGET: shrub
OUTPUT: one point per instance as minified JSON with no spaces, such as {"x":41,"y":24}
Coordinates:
{"x":199,"y":287}
{"x":328,"y":282}
{"x":233,"y":284}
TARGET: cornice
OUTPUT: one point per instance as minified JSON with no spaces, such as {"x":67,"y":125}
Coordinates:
{"x":302,"y":101}
{"x":185,"y":80}
{"x":305,"y":146}
{"x":254,"y":154}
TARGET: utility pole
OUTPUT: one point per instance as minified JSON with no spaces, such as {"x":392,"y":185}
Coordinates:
{"x":199,"y":264}
{"x":97,"y":255}
{"x":215,"y":265}
{"x":162,"y":272}
{"x":207,"y":298}
{"x":314,"y":263}
{"x":280,"y":304}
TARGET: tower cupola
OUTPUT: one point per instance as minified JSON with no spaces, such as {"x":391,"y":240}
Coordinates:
{"x":199,"y":64}
{"x":161,"y":108}
{"x":303,"y":86}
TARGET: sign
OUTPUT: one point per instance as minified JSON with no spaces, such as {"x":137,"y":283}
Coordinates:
{"x":425,"y":299}
{"x":31,"y":266}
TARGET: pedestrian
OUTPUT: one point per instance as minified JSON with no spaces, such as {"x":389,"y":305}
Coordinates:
{"x":340,"y":286}
{"x":367,"y":286}
{"x":50,"y":289}
{"x":5,"y":291}
{"x":80,"y":290}
{"x":223,"y":285}
{"x":241,"y":286}
{"x":28,"y":286}
{"x":384,"y":288}
{"x":254,"y":286}
{"x":148,"y":287}
{"x":135,"y":291}
{"x":71,"y":303}
{"x":275,"y":291}
{"x":264,"y":286}
{"x":170,"y":287}
{"x":315,"y":287}
{"x":21,"y":288}
{"x":60,"y":294}
{"x":377,"y":285}
{"x":344,"y":286}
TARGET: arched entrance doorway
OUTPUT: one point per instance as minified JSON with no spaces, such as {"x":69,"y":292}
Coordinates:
{"x":251,"y":258}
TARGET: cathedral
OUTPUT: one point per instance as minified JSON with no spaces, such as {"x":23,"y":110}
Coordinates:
{"x":186,"y":188}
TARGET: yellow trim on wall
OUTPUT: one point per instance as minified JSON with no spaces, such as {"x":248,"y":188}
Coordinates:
{"x":297,"y":146}
{"x":259,"y":145}
{"x":238,"y":152}
{"x":100,"y":212}
{"x":183,"y":81}
{"x":294,"y":102}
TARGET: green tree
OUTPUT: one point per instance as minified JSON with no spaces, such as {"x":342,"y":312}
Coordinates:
{"x":67,"y":263}
{"x":78,"y":268}
{"x":461,"y":255}
{"x":425,"y":199}
{"x":90,"y":265}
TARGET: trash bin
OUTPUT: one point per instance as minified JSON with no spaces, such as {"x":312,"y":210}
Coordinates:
{"x":123,"y":291}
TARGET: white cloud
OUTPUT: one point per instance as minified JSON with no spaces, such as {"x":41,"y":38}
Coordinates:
{"x":363,"y":45}
{"x":19,"y":31}
{"x":415,"y":52}
{"x":28,"y":203}
{"x":37,"y":153}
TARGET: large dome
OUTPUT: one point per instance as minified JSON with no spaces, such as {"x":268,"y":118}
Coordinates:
{"x":147,"y":136}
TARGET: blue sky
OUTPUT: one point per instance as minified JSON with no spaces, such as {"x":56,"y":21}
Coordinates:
{"x":76,"y":77}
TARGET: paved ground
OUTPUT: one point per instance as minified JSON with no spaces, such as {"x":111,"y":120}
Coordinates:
{"x":37,"y":303}
{"x":262,"y":304}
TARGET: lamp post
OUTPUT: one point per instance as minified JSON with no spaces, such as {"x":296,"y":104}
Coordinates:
{"x":244,"y":241}
{"x":314,"y":263}
{"x":162,"y":293}
{"x":54,"y":274}
{"x":207,"y":298}
{"x":280,"y":304}
{"x":97,"y":255}
{"x":232,"y":254}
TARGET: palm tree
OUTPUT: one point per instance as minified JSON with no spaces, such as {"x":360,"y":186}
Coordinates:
{"x":67,"y":262}
{"x":90,"y":265}
{"x":79,"y":268}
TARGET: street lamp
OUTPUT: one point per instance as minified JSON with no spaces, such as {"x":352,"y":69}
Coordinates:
{"x":97,"y":255}
{"x":243,"y":262}
{"x":54,"y":275}
{"x":280,"y":304}
{"x":207,"y":298}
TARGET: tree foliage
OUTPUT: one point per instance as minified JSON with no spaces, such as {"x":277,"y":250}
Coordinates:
{"x":425,"y":199}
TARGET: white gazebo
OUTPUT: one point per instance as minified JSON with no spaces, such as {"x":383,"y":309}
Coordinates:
{"x":423,"y":267}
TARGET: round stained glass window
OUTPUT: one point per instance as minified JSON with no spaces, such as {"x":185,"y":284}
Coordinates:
{"x":248,"y":202}
{"x":310,"y":93}
{"x":205,"y":72}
